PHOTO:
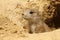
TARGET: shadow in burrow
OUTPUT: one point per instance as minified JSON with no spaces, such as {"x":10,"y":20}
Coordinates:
{"x":55,"y":21}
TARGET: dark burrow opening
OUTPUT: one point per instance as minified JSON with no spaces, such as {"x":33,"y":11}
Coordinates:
{"x":55,"y":21}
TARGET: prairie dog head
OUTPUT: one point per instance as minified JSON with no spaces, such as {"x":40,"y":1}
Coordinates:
{"x":31,"y":14}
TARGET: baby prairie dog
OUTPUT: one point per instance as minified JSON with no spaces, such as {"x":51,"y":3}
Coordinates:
{"x":35,"y":22}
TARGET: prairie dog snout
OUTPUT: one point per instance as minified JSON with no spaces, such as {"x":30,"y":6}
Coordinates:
{"x":35,"y":22}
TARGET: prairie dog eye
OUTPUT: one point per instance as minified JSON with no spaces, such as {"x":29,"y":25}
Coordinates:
{"x":31,"y":12}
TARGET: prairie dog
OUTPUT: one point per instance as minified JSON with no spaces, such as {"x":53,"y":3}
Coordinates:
{"x":35,"y":22}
